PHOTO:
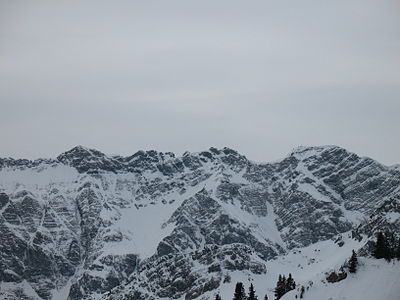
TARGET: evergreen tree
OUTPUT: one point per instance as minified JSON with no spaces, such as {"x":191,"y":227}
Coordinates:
{"x":290,"y":284}
{"x":277,"y":290}
{"x":265,"y":297}
{"x":353,"y":262}
{"x":239,"y":292}
{"x":283,"y":285}
{"x":381,"y":248}
{"x":252,"y":294}
{"x":280,"y":287}
{"x":218,"y":297}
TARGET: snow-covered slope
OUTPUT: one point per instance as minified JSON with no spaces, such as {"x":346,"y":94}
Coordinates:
{"x":153,"y":225}
{"x":374,"y":279}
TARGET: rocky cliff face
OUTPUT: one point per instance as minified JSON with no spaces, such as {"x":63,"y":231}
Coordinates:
{"x":153,"y":225}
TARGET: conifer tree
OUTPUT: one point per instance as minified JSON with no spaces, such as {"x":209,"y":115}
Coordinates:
{"x":252,"y":294}
{"x":283,"y":285}
{"x":353,"y":262}
{"x":290,"y":284}
{"x":280,"y":287}
{"x":381,"y":248}
{"x":239,"y":292}
{"x":265,"y":297}
{"x":277,"y":290}
{"x":218,"y":297}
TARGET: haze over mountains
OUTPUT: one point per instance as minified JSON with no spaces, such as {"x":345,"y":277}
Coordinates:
{"x":156,"y":226}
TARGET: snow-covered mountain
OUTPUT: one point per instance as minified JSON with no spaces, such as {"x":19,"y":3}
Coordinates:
{"x":156,"y":226}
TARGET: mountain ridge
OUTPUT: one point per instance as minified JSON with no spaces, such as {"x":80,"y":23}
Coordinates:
{"x":80,"y":149}
{"x":92,"y":223}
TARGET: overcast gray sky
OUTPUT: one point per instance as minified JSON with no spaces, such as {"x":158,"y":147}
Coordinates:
{"x":261,"y":77}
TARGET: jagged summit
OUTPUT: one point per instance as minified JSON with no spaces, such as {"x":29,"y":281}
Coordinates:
{"x":91,"y":160}
{"x":80,"y":152}
{"x":88,"y":160}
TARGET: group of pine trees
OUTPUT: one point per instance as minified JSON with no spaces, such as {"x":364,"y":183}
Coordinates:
{"x":240,"y":293}
{"x":282,"y":287}
{"x":387,"y":246}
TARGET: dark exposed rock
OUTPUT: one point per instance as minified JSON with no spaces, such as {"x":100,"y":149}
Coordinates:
{"x":89,"y":160}
{"x":3,"y":200}
{"x":336,"y":277}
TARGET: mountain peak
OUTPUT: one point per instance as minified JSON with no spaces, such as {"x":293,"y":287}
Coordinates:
{"x":88,"y":160}
{"x":80,"y":148}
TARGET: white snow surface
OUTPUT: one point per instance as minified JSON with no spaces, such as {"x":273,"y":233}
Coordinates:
{"x":375,"y":279}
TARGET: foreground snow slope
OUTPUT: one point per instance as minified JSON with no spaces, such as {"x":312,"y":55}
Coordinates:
{"x":374,"y":279}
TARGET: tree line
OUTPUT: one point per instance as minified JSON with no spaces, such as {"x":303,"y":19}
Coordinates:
{"x":283,"y":286}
